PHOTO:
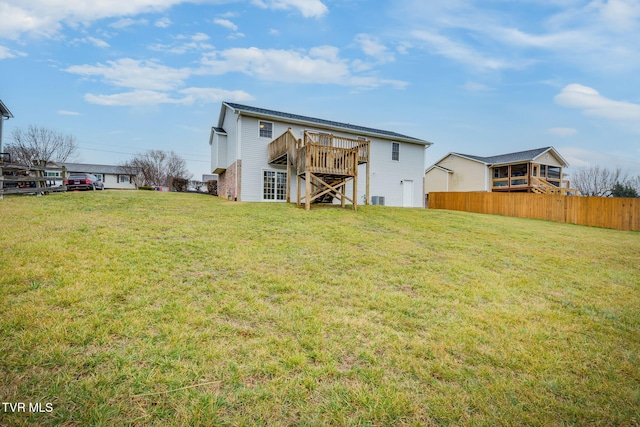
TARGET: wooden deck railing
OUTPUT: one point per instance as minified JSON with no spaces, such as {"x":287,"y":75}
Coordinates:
{"x":534,"y":184}
{"x":339,"y":142}
{"x":277,"y":149}
{"x":322,"y":159}
{"x":545,"y":187}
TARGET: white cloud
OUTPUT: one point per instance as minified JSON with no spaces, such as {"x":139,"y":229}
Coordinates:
{"x":621,"y":15}
{"x":460,"y":52}
{"x":47,"y":17}
{"x":97,"y":42}
{"x":592,"y":103}
{"x":163,"y":23}
{"x":68,"y":113}
{"x":126,"y":72}
{"x":134,"y":98}
{"x":372,"y":46}
{"x":127,"y":22}
{"x":184,"y":44}
{"x":318,"y":65}
{"x":199,"y":94}
{"x":594,"y":34}
{"x":563,"y":131}
{"x":199,"y":37}
{"x":6,"y":53}
{"x":579,"y":157}
{"x":226,"y":24}
{"x":308,"y":8}
{"x":151,"y":97}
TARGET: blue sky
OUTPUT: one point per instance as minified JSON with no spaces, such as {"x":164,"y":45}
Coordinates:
{"x":477,"y":77}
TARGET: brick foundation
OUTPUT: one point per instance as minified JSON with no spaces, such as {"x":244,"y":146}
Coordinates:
{"x":231,"y":180}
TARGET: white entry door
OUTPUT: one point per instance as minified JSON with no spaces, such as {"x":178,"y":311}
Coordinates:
{"x":407,"y":193}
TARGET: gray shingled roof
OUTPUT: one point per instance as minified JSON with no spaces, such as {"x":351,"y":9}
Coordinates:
{"x":88,"y":168}
{"x":329,"y":123}
{"x":520,"y":156}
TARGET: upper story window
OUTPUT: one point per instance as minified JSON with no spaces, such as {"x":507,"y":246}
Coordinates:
{"x":395,"y":151}
{"x":266,"y":129}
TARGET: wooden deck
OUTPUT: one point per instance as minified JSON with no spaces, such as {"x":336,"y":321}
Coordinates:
{"x":325,"y":162}
{"x":532,"y":185}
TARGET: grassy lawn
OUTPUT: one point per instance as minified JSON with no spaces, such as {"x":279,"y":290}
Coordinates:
{"x":146,"y":308}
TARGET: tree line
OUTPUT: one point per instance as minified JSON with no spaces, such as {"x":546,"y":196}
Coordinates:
{"x":149,"y":168}
{"x":604,"y":182}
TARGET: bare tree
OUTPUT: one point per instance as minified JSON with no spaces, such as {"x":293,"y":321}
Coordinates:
{"x":598,"y":181}
{"x":36,"y":143}
{"x":158,"y":167}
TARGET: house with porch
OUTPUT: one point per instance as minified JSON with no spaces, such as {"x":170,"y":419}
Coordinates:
{"x":263,"y":155}
{"x":533,"y":171}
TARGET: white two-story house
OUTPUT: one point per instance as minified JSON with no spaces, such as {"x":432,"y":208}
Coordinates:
{"x":250,"y":168}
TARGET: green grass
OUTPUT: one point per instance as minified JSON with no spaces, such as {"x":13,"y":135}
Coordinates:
{"x":111,"y":303}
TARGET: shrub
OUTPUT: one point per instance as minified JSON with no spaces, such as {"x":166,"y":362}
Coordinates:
{"x":146,"y":187}
{"x":180,"y":184}
{"x":212,"y":187}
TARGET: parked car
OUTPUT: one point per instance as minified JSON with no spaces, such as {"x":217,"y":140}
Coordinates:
{"x":83,"y":181}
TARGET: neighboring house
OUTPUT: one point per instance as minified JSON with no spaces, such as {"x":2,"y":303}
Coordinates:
{"x":114,"y":177}
{"x":259,"y":155}
{"x":532,"y":171}
{"x":5,"y":114}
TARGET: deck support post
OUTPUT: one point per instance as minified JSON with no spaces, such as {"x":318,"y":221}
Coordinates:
{"x":288,"y":178}
{"x":307,"y":183}
{"x":355,"y":182}
{"x":367,"y":196}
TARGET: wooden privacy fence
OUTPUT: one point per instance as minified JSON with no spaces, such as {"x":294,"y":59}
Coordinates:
{"x":609,"y":212}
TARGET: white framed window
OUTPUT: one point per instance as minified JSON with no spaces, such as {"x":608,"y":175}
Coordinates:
{"x":274,"y":185}
{"x":99,"y":176}
{"x":266,"y":129}
{"x":52,"y":174}
{"x":124,"y":179}
{"x":395,"y":151}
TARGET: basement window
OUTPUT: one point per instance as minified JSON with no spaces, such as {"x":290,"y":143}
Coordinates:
{"x":266,"y":129}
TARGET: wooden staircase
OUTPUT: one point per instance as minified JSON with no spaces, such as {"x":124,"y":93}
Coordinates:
{"x":325,"y":162}
{"x":542,"y":186}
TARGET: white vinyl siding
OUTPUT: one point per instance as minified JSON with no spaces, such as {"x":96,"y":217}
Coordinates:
{"x":386,"y":174}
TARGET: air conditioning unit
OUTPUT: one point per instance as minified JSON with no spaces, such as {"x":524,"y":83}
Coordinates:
{"x":377,"y":200}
